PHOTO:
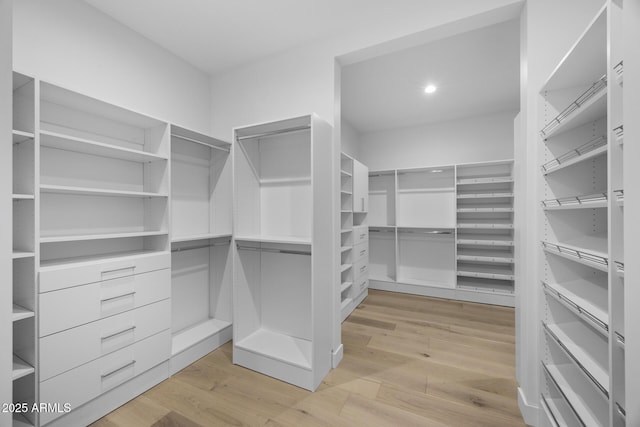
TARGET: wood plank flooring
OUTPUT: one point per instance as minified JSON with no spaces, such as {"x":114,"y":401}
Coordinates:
{"x":408,"y":361}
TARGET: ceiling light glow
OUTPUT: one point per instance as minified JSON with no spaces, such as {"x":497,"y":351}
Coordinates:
{"x":437,"y":171}
{"x":430,"y":89}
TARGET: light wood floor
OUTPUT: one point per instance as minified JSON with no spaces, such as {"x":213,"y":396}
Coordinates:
{"x":408,"y":361}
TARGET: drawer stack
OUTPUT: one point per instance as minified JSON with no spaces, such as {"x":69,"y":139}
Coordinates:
{"x":360,"y":258}
{"x":102,"y":322}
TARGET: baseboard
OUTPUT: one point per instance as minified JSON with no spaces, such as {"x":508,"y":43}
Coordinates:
{"x":336,"y":356}
{"x":529,"y":411}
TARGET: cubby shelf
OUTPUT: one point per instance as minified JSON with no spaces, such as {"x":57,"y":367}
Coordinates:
{"x":484,"y":195}
{"x":345,"y":286}
{"x":21,"y":313}
{"x":591,"y":201}
{"x":494,"y":271}
{"x":584,"y":298}
{"x":17,"y":197}
{"x":22,"y":254}
{"x":102,"y":236}
{"x":486,"y":225}
{"x":484,"y":255}
{"x":21,"y":368}
{"x":19,"y":136}
{"x":87,"y":191}
{"x":94,"y":148}
{"x":485,"y":239}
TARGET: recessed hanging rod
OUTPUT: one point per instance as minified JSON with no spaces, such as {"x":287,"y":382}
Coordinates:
{"x":272,"y":133}
{"x":425,"y":232}
{"x":189,"y":248}
{"x":184,"y":138}
{"x":281,"y":251}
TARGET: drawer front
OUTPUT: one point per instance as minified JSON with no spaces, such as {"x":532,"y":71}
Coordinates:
{"x":361,"y":268}
{"x":68,"y":308}
{"x":96,"y":339}
{"x":82,"y":273}
{"x":362,"y":283}
{"x":360,"y":250}
{"x":88,"y":381}
{"x":360,"y":234}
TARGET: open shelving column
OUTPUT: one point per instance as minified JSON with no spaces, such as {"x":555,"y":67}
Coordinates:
{"x":201,"y":261}
{"x":283,"y":249}
{"x":582,"y":231}
{"x":485,"y":236}
{"x":25,"y":251}
{"x":346,"y":235}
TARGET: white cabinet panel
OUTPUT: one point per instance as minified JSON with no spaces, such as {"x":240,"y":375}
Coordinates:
{"x":360,"y":187}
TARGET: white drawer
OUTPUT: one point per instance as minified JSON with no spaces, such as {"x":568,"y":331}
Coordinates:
{"x":362,"y":283}
{"x":88,"y":381}
{"x":360,"y":250}
{"x":68,"y":308}
{"x":81,"y":273}
{"x":361,"y":268}
{"x":96,"y":339}
{"x":360,"y":234}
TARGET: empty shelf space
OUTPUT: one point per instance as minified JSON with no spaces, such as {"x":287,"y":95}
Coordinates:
{"x":20,"y":368}
{"x":493,"y":271}
{"x":345,"y":286}
{"x":18,"y":196}
{"x":590,"y":359}
{"x":195,"y":237}
{"x":484,"y":195}
{"x":425,"y":230}
{"x":84,"y":237}
{"x":478,"y":284}
{"x":346,"y":230}
{"x":281,"y":347}
{"x":484,"y":255}
{"x":17,"y":254}
{"x":559,"y":411}
{"x":421,"y":282}
{"x":585,"y":298}
{"x":344,"y":249}
{"x":86,"y":146}
{"x":489,"y":208}
{"x":590,"y":201}
{"x":565,"y":377}
{"x":619,"y":131}
{"x":594,"y":148}
{"x":290,"y":240}
{"x":20,"y":313}
{"x":485,"y":180}
{"x":588,"y":249}
{"x":485,"y":239}
{"x":345,"y":267}
{"x":590,"y":105}
{"x":195,"y":334}
{"x":86,"y":191}
{"x":489,"y":225}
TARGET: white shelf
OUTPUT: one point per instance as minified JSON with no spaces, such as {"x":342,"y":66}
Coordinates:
{"x":590,"y":201}
{"x":491,"y":286}
{"x":581,"y":354}
{"x":19,"y":136}
{"x":77,"y":261}
{"x":588,"y":249}
{"x":585,"y":298}
{"x":485,"y":240}
{"x":20,"y":368}
{"x":486,"y":209}
{"x":485,"y":180}
{"x":86,"y":191}
{"x":195,"y":334}
{"x":345,"y":173}
{"x":20,"y":313}
{"x":346,"y":230}
{"x":345,"y":267}
{"x":86,"y":146}
{"x":564,"y":376}
{"x":288,"y":240}
{"x":344,"y":249}
{"x":498,"y":272}
{"x":195,"y":237}
{"x":421,"y":282}
{"x":16,"y":196}
{"x":22,"y":254}
{"x":484,"y":255}
{"x":284,"y":348}
{"x":486,"y":225}
{"x":594,"y":108}
{"x":345,"y":286}
{"x":559,"y":411}
{"x":84,"y":237}
{"x":590,"y":150}
{"x":346,"y":193}
{"x":484,"y":195}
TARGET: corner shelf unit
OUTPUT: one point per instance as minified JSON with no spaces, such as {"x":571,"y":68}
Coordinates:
{"x":282,"y":252}
{"x":201,"y":256}
{"x":444,"y":231}
{"x":581,"y":231}
{"x":354,"y":242}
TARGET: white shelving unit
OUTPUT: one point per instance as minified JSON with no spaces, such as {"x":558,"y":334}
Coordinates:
{"x":201,"y":259}
{"x":444,"y":231}
{"x":582,"y":230}
{"x":354,"y":234}
{"x":283,"y":252}
{"x":25,"y":200}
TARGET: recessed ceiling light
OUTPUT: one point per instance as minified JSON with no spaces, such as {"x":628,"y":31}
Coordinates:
{"x":436,"y":170}
{"x":430,"y":89}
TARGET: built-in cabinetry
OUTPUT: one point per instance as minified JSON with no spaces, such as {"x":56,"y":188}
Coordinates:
{"x":24,"y":200}
{"x":283,"y":249}
{"x":444,"y":231}
{"x":201,"y":262}
{"x":582,"y":231}
{"x":354,"y":234}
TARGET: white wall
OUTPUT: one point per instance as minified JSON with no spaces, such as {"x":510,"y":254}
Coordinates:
{"x":548,"y":29}
{"x":301,"y":80}
{"x":69,"y":43}
{"x":350,"y":140}
{"x":475,"y":139}
{"x":5,"y":208}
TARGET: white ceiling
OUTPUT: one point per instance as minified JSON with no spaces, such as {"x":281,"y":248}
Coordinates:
{"x":476,"y":73}
{"x":216,"y":35}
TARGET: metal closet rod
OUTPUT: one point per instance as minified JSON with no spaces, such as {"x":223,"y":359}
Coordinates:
{"x":281,"y":251}
{"x":184,"y":138}
{"x":425,"y":232}
{"x":189,"y":248}
{"x":274,"y":132}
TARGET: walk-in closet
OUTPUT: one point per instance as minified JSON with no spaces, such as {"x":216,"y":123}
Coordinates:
{"x":319,"y":212}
